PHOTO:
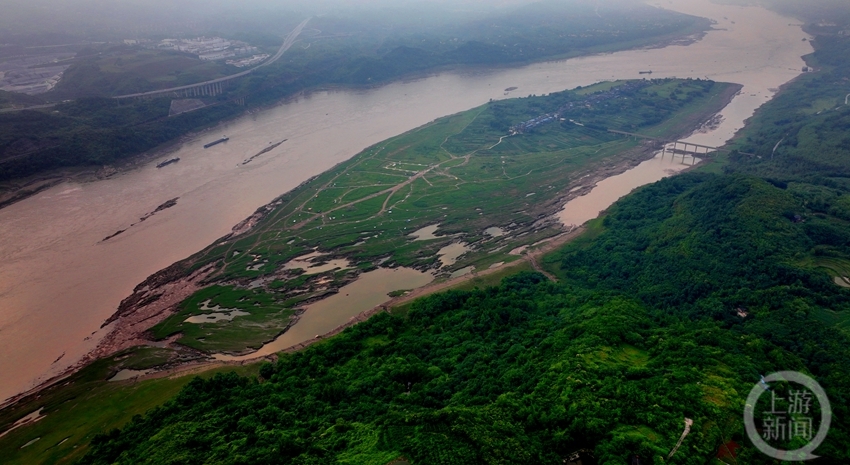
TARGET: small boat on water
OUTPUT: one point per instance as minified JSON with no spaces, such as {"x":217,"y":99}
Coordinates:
{"x":216,"y":142}
{"x":167,"y":162}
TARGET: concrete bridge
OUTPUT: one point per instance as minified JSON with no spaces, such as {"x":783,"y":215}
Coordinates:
{"x":216,"y":86}
{"x":679,"y":146}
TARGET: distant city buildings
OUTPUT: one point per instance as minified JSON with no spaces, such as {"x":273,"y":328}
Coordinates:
{"x":210,"y":48}
{"x":251,"y":61}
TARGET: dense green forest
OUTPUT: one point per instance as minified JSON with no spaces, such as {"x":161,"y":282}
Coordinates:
{"x":9,"y":99}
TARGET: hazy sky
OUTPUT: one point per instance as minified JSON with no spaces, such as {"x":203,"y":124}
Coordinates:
{"x":86,"y":17}
{"x":57,"y":20}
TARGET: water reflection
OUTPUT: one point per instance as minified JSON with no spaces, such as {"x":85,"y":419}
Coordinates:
{"x":450,"y":253}
{"x":426,"y":233}
{"x":312,"y":263}
{"x":369,"y":291}
{"x":581,"y":209}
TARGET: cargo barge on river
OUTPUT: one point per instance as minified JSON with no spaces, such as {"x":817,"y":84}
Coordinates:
{"x":216,"y":142}
{"x":167,"y":162}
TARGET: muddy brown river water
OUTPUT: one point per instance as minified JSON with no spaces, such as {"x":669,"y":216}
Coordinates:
{"x":59,"y":281}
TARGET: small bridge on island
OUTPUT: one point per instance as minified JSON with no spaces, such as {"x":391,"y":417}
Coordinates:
{"x":679,"y":147}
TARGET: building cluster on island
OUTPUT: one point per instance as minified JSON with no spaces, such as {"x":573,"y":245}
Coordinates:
{"x":589,"y":101}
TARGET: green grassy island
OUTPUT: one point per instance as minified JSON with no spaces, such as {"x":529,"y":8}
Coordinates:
{"x":490,"y":178}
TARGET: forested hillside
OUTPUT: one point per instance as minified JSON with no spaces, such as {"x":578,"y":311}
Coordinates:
{"x":643,"y":332}
{"x":670,"y":307}
{"x":803,"y":133}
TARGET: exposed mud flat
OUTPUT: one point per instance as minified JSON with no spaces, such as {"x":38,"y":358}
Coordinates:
{"x":426,"y":233}
{"x":24,"y":421}
{"x":314,"y":263}
{"x":165,"y":205}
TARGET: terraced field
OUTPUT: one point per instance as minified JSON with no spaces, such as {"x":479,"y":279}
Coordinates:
{"x":838,"y":268}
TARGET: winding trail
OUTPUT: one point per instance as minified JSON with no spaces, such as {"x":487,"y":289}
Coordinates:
{"x":497,"y":143}
{"x":391,"y":190}
{"x":688,"y":424}
{"x":282,"y":221}
{"x":532,"y":259}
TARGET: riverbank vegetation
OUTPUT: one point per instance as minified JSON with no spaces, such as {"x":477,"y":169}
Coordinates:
{"x":563,"y":148}
{"x":802,"y":134}
{"x":93,"y":131}
{"x":671,"y":311}
{"x":73,"y":411}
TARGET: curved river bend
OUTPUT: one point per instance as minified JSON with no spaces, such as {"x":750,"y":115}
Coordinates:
{"x":59,"y":282}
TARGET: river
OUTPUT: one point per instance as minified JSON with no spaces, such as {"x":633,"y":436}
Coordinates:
{"x":322,"y":317}
{"x":59,"y":281}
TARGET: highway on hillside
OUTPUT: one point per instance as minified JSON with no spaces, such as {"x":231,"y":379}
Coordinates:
{"x":290,"y":39}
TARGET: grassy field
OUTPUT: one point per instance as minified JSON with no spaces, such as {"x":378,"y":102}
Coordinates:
{"x":264,"y":320}
{"x":87,"y":404}
{"x":461,"y":172}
